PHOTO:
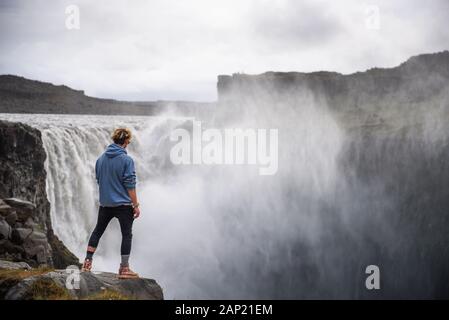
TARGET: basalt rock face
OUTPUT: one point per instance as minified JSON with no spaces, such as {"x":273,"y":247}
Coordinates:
{"x":25,"y":227}
{"x":393,"y":168}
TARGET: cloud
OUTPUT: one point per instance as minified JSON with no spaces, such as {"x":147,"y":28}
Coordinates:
{"x":167,"y":49}
{"x":289,"y":25}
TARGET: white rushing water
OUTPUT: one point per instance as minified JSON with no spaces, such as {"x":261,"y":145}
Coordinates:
{"x":205,"y":231}
{"x":72,"y":144}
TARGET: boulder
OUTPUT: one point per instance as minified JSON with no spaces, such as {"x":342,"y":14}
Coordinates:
{"x":5,"y":229}
{"x":36,"y":247}
{"x":86,"y":285}
{"x":24,"y":208}
{"x":38,"y":253}
{"x":11,"y":249}
{"x":11,"y":218}
{"x":36,"y":238}
{"x":20,"y":204}
{"x":31,"y":224}
{"x":5,"y":209}
{"x":19,"y":235}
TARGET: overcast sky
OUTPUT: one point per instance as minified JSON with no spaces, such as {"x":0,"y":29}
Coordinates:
{"x":166,"y":49}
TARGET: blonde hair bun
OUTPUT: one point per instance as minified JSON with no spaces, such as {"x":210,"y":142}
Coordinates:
{"x":120,"y":135}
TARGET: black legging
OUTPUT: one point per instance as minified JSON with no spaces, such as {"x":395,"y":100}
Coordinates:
{"x":125,"y":216}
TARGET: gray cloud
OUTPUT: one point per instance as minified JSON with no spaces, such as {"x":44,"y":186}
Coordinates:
{"x":295,"y":26}
{"x":166,"y":49}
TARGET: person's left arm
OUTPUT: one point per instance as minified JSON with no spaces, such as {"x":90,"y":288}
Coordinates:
{"x":96,"y":172}
{"x":129,"y":181}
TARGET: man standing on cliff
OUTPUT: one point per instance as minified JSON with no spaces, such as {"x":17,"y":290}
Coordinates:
{"x":116,"y":179}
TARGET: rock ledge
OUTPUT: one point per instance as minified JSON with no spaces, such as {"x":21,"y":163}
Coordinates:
{"x":82,"y":285}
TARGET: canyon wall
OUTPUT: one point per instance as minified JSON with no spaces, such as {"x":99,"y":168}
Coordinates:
{"x":27,"y":233}
{"x":391,"y":208}
{"x":21,"y":95}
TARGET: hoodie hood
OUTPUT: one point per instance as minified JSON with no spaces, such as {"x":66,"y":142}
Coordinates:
{"x":114,"y":150}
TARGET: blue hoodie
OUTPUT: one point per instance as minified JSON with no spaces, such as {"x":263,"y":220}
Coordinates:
{"x":115,"y":175}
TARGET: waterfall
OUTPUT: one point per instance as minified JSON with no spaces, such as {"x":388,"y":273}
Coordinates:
{"x":72,"y":144}
{"x":203,"y":228}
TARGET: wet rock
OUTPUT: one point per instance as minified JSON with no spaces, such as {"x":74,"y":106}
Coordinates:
{"x":31,"y":224}
{"x":37,"y":247}
{"x":61,"y":256}
{"x":38,"y":253}
{"x":8,"y":248}
{"x":19,"y":235}
{"x":11,"y":218}
{"x":5,"y":209}
{"x":14,"y":265}
{"x":36,"y":238}
{"x":20,"y":204}
{"x":5,"y":230}
{"x":24,"y":209}
{"x":87,"y":284}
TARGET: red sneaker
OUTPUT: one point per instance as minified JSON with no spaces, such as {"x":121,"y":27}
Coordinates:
{"x":126,"y":273}
{"x":87,"y":266}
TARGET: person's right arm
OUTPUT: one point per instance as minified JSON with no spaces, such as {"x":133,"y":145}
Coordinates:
{"x":133,"y":195}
